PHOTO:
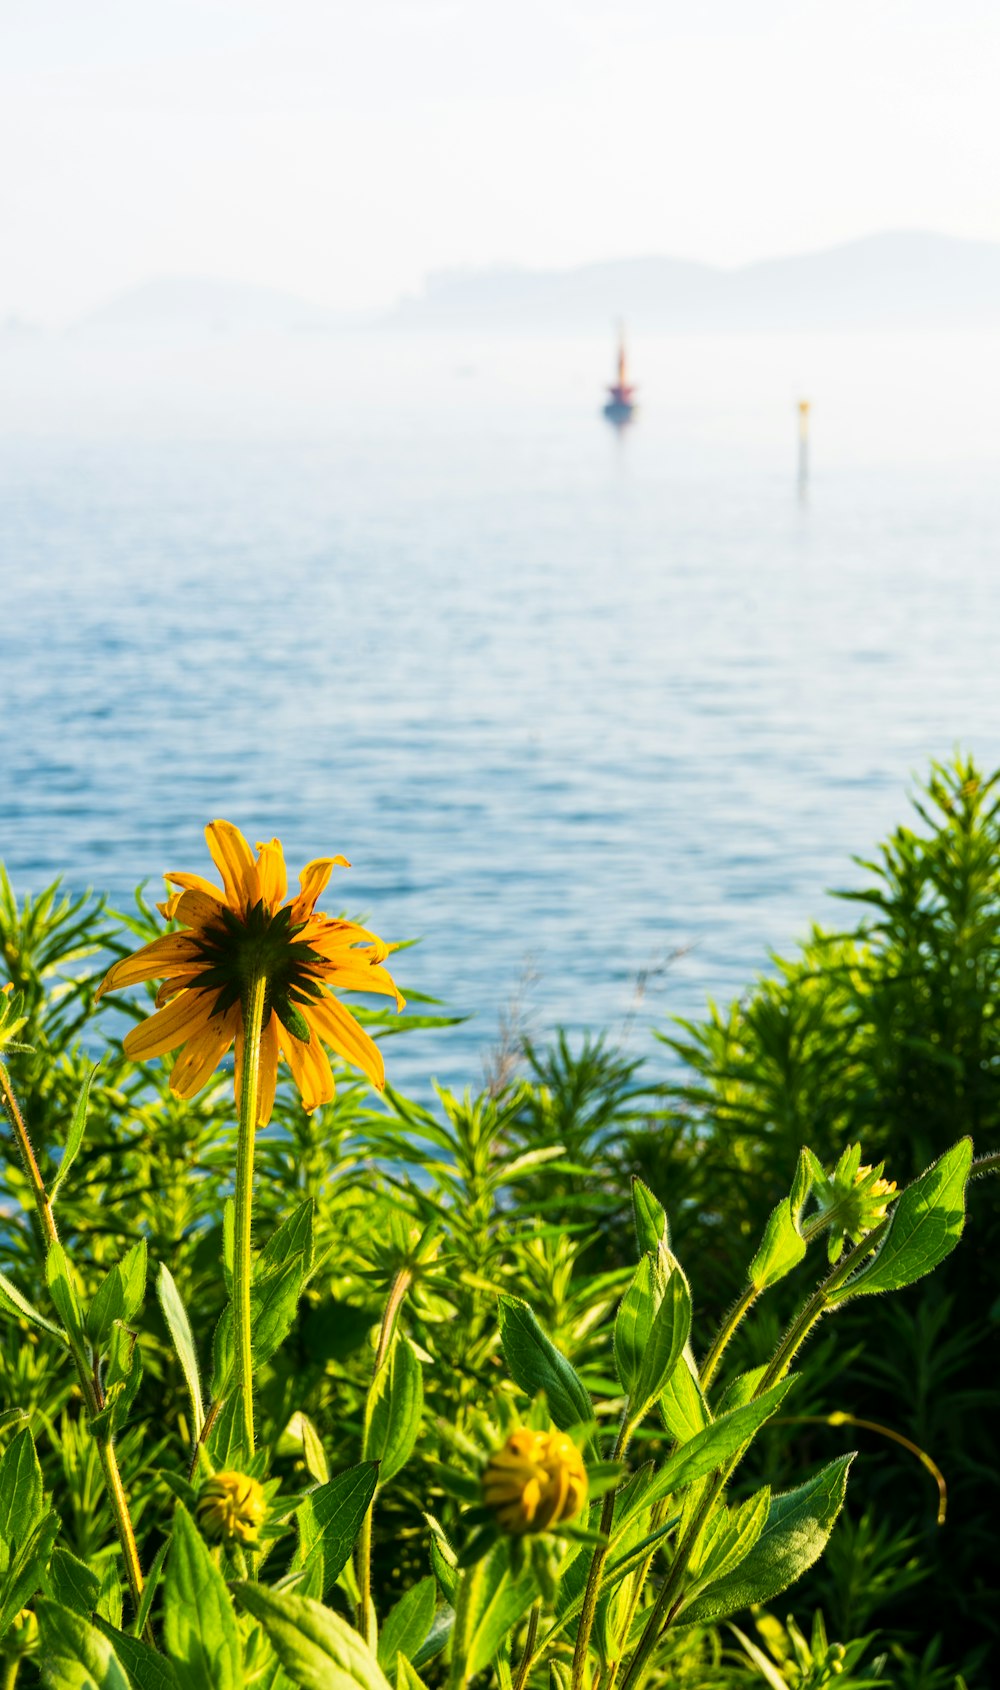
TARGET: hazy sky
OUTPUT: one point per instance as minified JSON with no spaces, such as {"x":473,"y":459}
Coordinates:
{"x":342,"y":150}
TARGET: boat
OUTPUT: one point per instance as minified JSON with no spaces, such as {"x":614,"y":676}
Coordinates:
{"x":621,"y":402}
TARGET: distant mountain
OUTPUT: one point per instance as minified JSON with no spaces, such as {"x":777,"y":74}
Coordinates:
{"x":900,"y":280}
{"x":186,"y":304}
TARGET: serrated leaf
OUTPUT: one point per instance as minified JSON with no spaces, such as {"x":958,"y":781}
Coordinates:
{"x":925,"y":1226}
{"x":179,"y":1327}
{"x":146,"y":1667}
{"x":119,"y":1296}
{"x":329,"y":1520}
{"x":75,"y":1655}
{"x":74,"y":1137}
{"x":199,"y":1622}
{"x":396,"y":1409}
{"x":21,"y":1503}
{"x":71,"y":1583}
{"x":798,"y":1525}
{"x":317,"y":1648}
{"x":406,"y":1625}
{"x":536,"y":1365}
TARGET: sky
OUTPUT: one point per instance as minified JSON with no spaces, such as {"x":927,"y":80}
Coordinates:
{"x":343,"y":151}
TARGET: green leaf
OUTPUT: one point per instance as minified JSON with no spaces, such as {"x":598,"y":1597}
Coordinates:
{"x":536,"y":1365}
{"x":406,"y":1624}
{"x":71,"y":1583}
{"x":27,"y":1571}
{"x":59,"y":1278}
{"x":149,"y":1589}
{"x":651,"y":1229}
{"x":199,"y":1622}
{"x":503,"y":1600}
{"x":179,"y":1327}
{"x":14,"y":1302}
{"x":924,"y":1227}
{"x":294,"y":1237}
{"x":632,"y":1324}
{"x":798,"y":1526}
{"x":682,"y":1402}
{"x":146,"y":1667}
{"x":441,"y":1628}
{"x":396,"y":1405}
{"x":729,"y":1537}
{"x":227,"y":1442}
{"x":781,"y":1250}
{"x":274,"y":1301}
{"x":664,"y":1346}
{"x":317,"y":1648}
{"x":329,"y":1520}
{"x":119,"y":1296}
{"x":74,"y":1138}
{"x":122,"y":1379}
{"x":75,"y":1654}
{"x":21,"y":1503}
{"x":711,"y":1448}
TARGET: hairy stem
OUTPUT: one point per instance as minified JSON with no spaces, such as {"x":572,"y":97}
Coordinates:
{"x":365,"y":1616}
{"x":93,"y":1396}
{"x":598,"y":1559}
{"x":253,"y":1023}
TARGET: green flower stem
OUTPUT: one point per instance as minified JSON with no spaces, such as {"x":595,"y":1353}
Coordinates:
{"x":365,"y":1616}
{"x":598,"y":1559}
{"x":253,"y":1026}
{"x":664,"y":1608}
{"x":10,"y":1673}
{"x":87,"y":1374}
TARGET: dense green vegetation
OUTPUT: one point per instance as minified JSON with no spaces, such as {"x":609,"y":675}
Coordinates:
{"x":431,"y":1280}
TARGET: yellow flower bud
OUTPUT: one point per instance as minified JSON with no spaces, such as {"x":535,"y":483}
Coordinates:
{"x":23,"y":1636}
{"x":231,"y":1507}
{"x":535,"y":1481}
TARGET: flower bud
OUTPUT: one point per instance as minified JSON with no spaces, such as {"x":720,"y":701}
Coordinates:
{"x":231,"y":1508}
{"x":535,"y":1481}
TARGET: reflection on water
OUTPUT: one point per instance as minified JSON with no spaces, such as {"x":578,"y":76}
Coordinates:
{"x":567,"y":701}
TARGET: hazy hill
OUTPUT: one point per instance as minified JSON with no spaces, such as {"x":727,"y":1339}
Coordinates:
{"x":191,"y":305}
{"x":900,"y":280}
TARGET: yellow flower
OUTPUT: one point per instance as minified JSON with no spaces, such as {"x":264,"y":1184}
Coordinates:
{"x":231,"y":935}
{"x":535,"y":1481}
{"x":231,"y":1507}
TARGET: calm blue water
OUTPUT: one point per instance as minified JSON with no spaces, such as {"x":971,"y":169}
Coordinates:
{"x":570,"y":703}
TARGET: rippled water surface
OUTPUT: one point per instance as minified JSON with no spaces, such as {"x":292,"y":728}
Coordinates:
{"x":571,"y":703}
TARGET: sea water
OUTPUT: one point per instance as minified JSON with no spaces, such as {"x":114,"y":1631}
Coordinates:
{"x":597,"y":717}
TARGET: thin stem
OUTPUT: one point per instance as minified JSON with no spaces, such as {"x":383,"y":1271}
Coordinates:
{"x":253,"y":1023}
{"x":10,"y":1673}
{"x":89,"y":1381}
{"x":663,"y":1608}
{"x":43,"y":1207}
{"x":364,"y":1617}
{"x":598,"y":1559}
{"x":726,"y":1330}
{"x":521,"y":1675}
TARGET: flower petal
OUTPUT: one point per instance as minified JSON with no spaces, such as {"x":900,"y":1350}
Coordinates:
{"x":272,"y":874}
{"x":233,"y":858}
{"x":202,"y":1054}
{"x":354,"y":974}
{"x":338,"y":1028}
{"x":196,"y":909}
{"x":313,"y":881}
{"x":196,"y":883}
{"x":167,"y":955}
{"x":309,"y":1063}
{"x":171,"y":1026}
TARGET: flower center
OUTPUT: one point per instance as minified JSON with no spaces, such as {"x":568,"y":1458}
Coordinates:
{"x":242,"y":948}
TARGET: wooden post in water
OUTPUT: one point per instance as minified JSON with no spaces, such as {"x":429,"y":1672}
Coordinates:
{"x":803,"y":444}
